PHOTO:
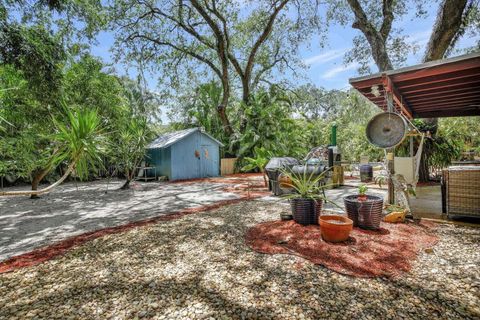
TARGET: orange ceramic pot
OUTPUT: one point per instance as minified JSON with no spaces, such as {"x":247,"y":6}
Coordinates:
{"x":335,"y":228}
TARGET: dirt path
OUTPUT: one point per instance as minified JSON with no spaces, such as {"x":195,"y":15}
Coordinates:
{"x":72,"y":209}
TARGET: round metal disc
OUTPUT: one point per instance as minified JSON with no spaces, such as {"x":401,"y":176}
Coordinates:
{"x":386,"y":130}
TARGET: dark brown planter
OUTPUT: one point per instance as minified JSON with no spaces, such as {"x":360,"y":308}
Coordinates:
{"x":306,"y":211}
{"x":366,"y":214}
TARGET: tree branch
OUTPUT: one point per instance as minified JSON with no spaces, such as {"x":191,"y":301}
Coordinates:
{"x":387,"y":11}
{"x":180,"y":49}
{"x":449,"y":20}
{"x":261,"y":39}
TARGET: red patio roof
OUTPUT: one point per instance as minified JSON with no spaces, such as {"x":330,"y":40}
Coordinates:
{"x":442,"y":88}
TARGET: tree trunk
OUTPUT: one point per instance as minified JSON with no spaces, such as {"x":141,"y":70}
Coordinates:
{"x":38,"y":177}
{"x":447,"y":25}
{"x":126,"y":185}
{"x":69,"y":170}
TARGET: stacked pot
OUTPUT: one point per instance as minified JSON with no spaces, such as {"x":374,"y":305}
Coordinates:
{"x":366,"y":214}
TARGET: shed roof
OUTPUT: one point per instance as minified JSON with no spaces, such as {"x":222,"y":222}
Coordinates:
{"x":170,"y":138}
{"x":442,"y":88}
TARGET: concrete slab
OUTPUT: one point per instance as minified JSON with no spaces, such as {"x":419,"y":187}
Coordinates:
{"x":428,"y":202}
{"x":70,"y":210}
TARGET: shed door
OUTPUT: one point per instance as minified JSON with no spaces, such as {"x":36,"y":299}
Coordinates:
{"x":207,"y":162}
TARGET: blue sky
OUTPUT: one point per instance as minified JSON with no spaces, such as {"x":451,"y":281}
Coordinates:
{"x":326,"y":67}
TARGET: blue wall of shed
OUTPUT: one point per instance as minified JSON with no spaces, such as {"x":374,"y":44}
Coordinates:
{"x":178,"y":161}
{"x":161,"y":159}
{"x":211,"y":160}
{"x":184,"y":163}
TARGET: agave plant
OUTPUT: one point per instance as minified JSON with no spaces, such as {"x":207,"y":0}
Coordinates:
{"x":307,"y":185}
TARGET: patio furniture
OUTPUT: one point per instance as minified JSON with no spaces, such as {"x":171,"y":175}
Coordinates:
{"x":146,"y":173}
{"x":364,"y":214}
{"x":463,"y":191}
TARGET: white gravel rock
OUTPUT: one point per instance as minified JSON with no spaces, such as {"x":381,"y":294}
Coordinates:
{"x":198,"y":267}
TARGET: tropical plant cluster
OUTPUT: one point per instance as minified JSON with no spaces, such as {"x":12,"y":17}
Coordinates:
{"x":229,"y":68}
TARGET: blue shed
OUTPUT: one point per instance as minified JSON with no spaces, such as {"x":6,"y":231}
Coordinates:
{"x":185,"y":154}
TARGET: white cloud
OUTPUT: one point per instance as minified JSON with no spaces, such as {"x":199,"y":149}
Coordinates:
{"x":324,"y":57}
{"x":340,"y":69}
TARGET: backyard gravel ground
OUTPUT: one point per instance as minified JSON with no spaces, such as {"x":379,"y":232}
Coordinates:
{"x":76,"y":208}
{"x":198,"y":267}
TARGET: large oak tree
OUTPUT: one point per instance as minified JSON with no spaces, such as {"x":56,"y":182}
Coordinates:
{"x":240,"y":43}
{"x":388,"y":47}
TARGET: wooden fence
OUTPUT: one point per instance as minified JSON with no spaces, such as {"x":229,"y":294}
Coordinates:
{"x":227,"y":165}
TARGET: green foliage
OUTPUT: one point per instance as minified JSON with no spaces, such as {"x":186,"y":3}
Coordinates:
{"x":80,"y":140}
{"x":260,"y":160}
{"x":362,"y":189}
{"x":306,"y":185}
{"x":200,"y":110}
{"x":443,"y":148}
{"x":381,"y":180}
{"x":25,"y":144}
{"x":129,"y":150}
{"x":36,"y":53}
{"x":270,"y":125}
{"x":464,"y":132}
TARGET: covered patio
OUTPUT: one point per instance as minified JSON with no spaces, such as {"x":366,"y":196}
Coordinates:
{"x":437,"y":89}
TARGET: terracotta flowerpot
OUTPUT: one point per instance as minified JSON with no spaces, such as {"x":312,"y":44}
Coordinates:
{"x":335,"y":228}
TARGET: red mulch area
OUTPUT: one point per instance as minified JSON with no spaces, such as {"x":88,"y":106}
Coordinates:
{"x":387,"y":252}
{"x":244,"y":184}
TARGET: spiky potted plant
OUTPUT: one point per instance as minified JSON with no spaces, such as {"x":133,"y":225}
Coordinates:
{"x":308,"y":196}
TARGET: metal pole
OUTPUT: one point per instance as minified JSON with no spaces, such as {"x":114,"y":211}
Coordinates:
{"x":390,"y":157}
{"x":411,"y":147}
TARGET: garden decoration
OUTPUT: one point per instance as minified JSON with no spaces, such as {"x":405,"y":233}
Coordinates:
{"x":395,"y":214}
{"x":335,"y":228}
{"x":386,"y":130}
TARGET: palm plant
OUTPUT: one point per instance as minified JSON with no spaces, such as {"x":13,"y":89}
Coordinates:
{"x":133,"y":139}
{"x":262,"y":156}
{"x":79,"y":142}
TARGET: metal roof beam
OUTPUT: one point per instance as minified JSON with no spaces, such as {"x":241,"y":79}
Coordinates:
{"x":448,"y":113}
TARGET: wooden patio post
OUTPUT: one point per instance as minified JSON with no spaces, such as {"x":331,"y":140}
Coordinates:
{"x":390,"y":156}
